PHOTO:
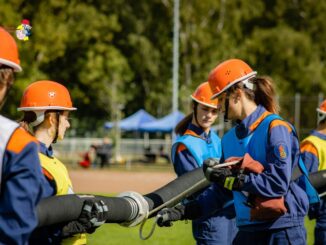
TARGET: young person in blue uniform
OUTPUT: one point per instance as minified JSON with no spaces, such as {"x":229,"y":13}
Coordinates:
{"x":197,"y":142}
{"x":313,"y":149}
{"x":46,"y":106}
{"x":270,"y":207}
{"x":212,"y":209}
{"x":20,"y":172}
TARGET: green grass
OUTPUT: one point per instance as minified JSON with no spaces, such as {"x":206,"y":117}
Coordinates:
{"x":178,"y":234}
{"x":310,"y":226}
{"x":113,"y":234}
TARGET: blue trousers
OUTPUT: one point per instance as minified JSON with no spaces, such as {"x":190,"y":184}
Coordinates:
{"x":320,"y":230}
{"x":218,"y":229}
{"x":285,"y":236}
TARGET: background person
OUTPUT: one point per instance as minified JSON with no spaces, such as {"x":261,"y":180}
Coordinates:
{"x":104,"y":152}
{"x":270,"y":208}
{"x":197,"y":142}
{"x":20,"y":173}
{"x":46,"y":106}
{"x":88,"y":157}
{"x":313,"y":149}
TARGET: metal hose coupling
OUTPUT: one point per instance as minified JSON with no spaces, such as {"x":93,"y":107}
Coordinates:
{"x":139,"y":206}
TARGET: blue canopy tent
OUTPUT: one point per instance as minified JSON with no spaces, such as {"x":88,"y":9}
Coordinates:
{"x":165,"y":124}
{"x":133,"y":122}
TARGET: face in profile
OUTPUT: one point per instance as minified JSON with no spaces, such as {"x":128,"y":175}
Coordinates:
{"x":233,"y":107}
{"x":64,"y":124}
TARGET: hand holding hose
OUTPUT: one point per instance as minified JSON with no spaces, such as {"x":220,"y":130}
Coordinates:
{"x":93,"y":215}
{"x":223,"y":176}
{"x":167,"y":215}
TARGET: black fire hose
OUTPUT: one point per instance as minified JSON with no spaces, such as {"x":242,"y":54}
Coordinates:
{"x":318,"y":180}
{"x":130,"y":208}
{"x":65,"y":208}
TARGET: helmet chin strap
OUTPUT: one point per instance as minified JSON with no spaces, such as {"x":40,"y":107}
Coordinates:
{"x":195,"y":113}
{"x":226,"y":105}
{"x":57,"y":128}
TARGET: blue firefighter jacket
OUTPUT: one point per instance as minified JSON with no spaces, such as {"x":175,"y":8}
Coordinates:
{"x":274,"y":144}
{"x":188,"y":152}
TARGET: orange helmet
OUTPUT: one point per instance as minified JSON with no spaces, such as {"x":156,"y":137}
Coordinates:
{"x":41,"y":96}
{"x":9,"y":51}
{"x":203,"y":95}
{"x":321,"y":111}
{"x":46,"y":95}
{"x":229,"y":73}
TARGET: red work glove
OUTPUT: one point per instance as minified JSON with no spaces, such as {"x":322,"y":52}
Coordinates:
{"x":247,"y":164}
{"x":264,"y":209}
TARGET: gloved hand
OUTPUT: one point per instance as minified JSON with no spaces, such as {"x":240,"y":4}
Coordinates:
{"x":167,"y":215}
{"x":315,"y":211}
{"x":208,"y":166}
{"x":93,"y":215}
{"x":222,"y":176}
{"x":247,"y":164}
{"x":263,"y":208}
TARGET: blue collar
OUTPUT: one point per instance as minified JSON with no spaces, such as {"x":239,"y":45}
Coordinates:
{"x":200,"y":132}
{"x":242,"y":128}
{"x":319,"y":135}
{"x":46,"y":151}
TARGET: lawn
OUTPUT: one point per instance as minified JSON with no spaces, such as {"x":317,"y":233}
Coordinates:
{"x":113,"y":234}
{"x":178,"y":234}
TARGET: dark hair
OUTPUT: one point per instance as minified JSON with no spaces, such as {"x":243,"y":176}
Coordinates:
{"x":263,"y":93}
{"x":30,"y":116}
{"x":183,"y":124}
{"x":322,"y":121}
{"x":6,"y":76}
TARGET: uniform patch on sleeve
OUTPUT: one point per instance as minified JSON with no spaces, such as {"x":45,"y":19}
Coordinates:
{"x":281,"y":151}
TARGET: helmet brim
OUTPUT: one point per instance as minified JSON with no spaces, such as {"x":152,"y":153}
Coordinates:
{"x":41,"y":108}
{"x":203,"y":103}
{"x":249,"y":75}
{"x":16,"y":67}
{"x":320,"y":111}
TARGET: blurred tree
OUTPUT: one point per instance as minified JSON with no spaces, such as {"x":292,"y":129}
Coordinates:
{"x":118,"y":54}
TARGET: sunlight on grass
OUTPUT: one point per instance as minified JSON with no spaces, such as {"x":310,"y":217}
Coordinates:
{"x":179,"y":234}
{"x":113,"y":234}
{"x":310,"y":226}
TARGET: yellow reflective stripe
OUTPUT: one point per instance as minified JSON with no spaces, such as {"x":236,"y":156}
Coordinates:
{"x":78,"y":239}
{"x":228,"y":184}
{"x":320,"y":145}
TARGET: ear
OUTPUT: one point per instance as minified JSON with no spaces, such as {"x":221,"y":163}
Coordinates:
{"x":52,"y":121}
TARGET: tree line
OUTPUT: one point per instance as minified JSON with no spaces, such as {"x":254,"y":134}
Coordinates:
{"x":118,"y":54}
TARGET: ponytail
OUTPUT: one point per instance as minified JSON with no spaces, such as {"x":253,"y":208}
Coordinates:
{"x":182,"y":126}
{"x":29,"y":117}
{"x":265,"y":94}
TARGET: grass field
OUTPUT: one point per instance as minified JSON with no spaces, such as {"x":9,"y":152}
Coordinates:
{"x":113,"y":234}
{"x":178,"y":234}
